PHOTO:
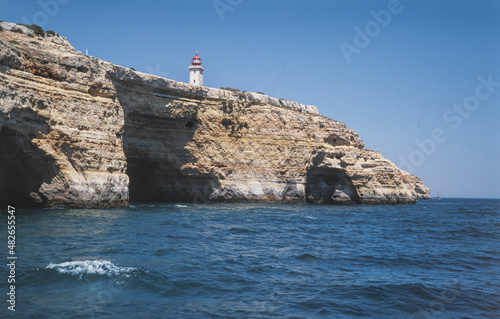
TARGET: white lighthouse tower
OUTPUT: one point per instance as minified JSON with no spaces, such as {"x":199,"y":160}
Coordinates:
{"x":196,"y":71}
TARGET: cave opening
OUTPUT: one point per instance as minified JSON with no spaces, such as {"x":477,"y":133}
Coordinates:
{"x":157,"y":135}
{"x":329,"y":185}
{"x":23,"y":169}
{"x":163,"y":181}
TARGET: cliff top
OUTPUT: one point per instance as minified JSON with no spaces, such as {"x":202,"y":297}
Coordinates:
{"x":34,"y":38}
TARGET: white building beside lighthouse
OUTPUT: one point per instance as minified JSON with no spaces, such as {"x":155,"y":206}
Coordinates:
{"x":196,"y":71}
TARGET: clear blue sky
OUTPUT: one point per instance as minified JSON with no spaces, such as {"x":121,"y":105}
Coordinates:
{"x":409,"y":65}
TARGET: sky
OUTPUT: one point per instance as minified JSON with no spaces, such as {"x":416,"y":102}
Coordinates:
{"x":419,"y":81}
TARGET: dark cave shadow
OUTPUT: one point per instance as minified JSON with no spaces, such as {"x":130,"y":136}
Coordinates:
{"x":323,"y":184}
{"x":23,"y":169}
{"x":154,"y":141}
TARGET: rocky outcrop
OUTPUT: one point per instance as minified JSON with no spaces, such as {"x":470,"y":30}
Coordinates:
{"x":60,"y":145}
{"x":346,"y":175}
{"x":77,"y":131}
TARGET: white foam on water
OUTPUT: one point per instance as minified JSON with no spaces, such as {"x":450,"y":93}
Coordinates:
{"x":181,"y":206}
{"x":91,"y":267}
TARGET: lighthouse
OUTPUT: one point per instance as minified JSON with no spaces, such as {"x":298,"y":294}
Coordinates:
{"x":196,"y":71}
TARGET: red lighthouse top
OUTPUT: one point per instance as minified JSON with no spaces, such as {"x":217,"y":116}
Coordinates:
{"x":196,"y":60}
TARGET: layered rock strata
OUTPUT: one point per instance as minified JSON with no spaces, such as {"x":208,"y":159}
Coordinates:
{"x":77,"y":131}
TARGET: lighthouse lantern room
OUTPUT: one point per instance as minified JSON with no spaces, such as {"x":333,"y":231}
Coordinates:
{"x":196,"y":71}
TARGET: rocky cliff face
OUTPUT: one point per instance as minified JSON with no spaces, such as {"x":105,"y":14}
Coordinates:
{"x":77,"y":131}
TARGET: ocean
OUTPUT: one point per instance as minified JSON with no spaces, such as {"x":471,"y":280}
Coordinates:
{"x":435,"y":259}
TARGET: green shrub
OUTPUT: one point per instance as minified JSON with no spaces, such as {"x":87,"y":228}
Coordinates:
{"x":14,"y":42}
{"x":50,"y":33}
{"x":1,"y":29}
{"x":260,"y":93}
{"x":17,"y":31}
{"x":36,"y":28}
{"x":281,"y":103}
{"x":230,"y":89}
{"x":31,"y":35}
{"x":34,"y":42}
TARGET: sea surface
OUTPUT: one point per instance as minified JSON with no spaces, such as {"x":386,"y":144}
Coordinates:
{"x":435,"y":259}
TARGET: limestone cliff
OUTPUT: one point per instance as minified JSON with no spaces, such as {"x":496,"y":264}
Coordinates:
{"x":78,"y":131}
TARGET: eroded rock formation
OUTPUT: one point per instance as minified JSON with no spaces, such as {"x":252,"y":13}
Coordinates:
{"x":78,"y":131}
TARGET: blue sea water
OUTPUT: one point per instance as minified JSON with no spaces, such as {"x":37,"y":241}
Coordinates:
{"x":435,"y":259}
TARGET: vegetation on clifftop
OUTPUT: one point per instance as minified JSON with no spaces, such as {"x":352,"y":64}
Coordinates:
{"x":229,"y":89}
{"x":36,"y":28}
{"x":51,"y":33}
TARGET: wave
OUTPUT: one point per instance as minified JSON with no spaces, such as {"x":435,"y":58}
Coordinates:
{"x":92,"y":267}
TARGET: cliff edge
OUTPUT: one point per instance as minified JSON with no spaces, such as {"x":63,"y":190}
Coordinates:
{"x":76,"y":131}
